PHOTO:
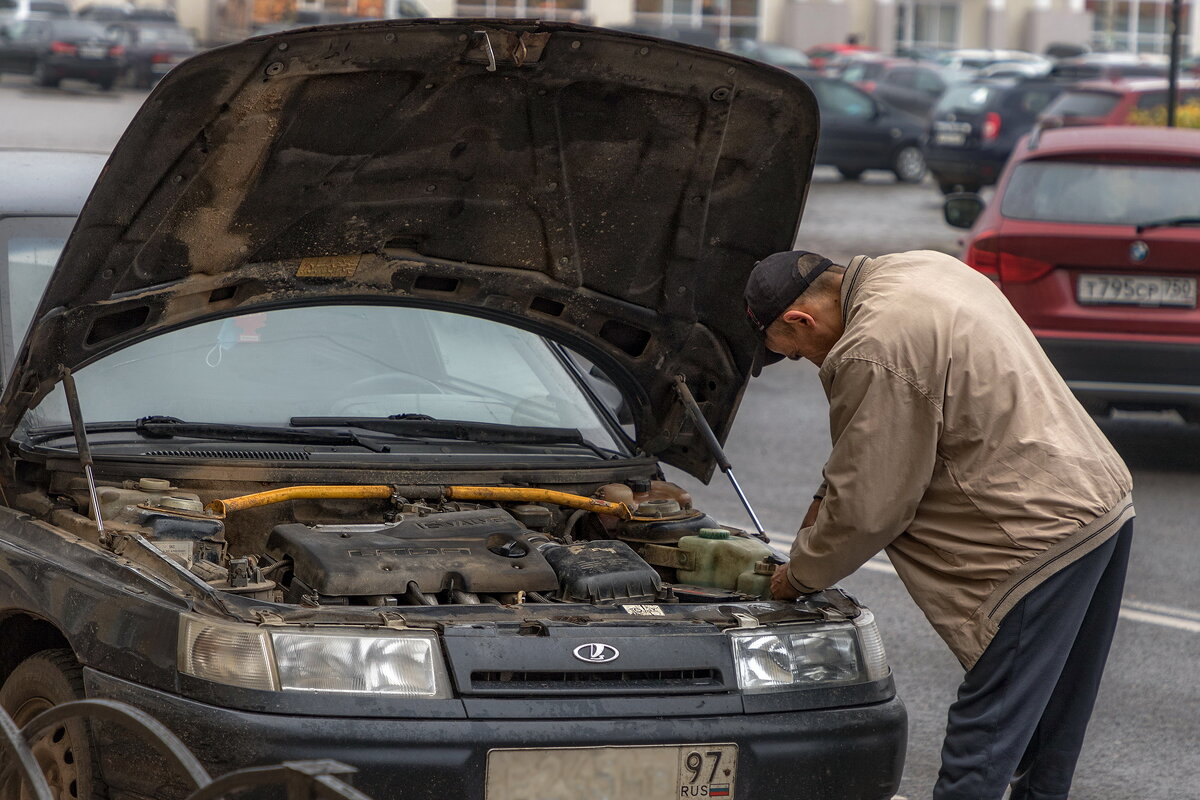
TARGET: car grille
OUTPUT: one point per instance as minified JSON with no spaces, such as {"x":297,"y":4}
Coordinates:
{"x":674,"y":681}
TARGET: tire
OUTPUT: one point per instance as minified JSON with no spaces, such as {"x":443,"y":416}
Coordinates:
{"x":65,"y":753}
{"x":42,"y":78}
{"x":909,"y":164}
{"x":107,"y":84}
{"x":850,"y":174}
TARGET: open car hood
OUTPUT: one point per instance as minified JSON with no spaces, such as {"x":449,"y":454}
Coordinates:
{"x":608,"y":190}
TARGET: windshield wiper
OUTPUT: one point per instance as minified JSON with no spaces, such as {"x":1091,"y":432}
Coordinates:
{"x":170,"y":427}
{"x":422,"y":426}
{"x":1169,"y":222}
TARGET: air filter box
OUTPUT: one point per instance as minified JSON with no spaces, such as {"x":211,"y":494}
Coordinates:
{"x":605,"y":571}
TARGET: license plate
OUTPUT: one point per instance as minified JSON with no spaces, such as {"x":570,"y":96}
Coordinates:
{"x":950,"y":138}
{"x":1142,"y":290}
{"x":652,"y":772}
{"x":92,"y":52}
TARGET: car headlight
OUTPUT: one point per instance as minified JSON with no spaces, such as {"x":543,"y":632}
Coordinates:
{"x":809,"y":656}
{"x":407,"y":664}
{"x":398,"y":663}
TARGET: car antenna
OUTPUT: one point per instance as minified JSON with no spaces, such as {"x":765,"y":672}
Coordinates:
{"x":697,"y":417}
{"x":81,"y":444}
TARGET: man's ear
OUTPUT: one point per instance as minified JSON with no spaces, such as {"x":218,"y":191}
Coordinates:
{"x":797,"y":317}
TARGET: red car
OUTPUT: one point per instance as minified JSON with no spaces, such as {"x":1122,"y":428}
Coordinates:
{"x":1105,"y":103}
{"x":1094,"y":236}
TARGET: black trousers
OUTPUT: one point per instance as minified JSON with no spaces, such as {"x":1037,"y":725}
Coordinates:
{"x":1023,"y":709}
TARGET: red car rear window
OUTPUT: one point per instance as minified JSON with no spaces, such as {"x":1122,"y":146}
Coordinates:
{"x":1103,"y":194}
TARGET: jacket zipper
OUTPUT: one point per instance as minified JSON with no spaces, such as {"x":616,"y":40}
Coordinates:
{"x":1064,"y":553}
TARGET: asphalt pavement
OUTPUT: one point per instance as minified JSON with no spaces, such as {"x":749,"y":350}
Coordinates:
{"x":1143,"y":743}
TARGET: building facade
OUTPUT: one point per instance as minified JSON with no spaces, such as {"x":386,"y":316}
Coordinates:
{"x":1120,"y":25}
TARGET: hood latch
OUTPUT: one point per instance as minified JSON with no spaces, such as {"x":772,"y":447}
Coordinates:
{"x":494,"y":47}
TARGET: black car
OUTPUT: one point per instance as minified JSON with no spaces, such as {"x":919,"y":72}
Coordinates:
{"x":53,"y":49}
{"x":976,"y":125}
{"x":900,"y":83}
{"x":152,"y":49}
{"x":303,"y":455}
{"x":859,"y":132}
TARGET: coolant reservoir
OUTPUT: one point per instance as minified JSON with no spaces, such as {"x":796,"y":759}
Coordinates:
{"x":724,"y":561}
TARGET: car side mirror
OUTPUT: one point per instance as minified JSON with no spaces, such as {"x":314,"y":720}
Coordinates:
{"x":962,"y":209}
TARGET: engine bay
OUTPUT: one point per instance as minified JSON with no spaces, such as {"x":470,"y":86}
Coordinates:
{"x":638,"y":542}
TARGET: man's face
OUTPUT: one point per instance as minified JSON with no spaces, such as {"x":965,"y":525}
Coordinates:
{"x":798,"y":334}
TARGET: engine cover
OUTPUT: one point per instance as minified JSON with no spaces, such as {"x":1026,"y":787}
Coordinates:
{"x":484,"y":551}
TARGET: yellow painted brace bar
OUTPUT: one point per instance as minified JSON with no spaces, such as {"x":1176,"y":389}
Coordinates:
{"x":511,"y":494}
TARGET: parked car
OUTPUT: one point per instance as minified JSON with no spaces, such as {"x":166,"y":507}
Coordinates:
{"x":976,"y":125}
{"x":777,"y":55}
{"x":346,"y":484}
{"x":859,"y":132}
{"x":1104,"y":103}
{"x":1092,"y":236}
{"x":1109,"y":67}
{"x":104,"y":12}
{"x":54,"y":49}
{"x":977,"y":59}
{"x":825,"y":55}
{"x":152,"y":49}
{"x":900,"y":83}
{"x":12,"y":10}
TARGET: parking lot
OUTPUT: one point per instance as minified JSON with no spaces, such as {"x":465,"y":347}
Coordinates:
{"x":1142,"y":741}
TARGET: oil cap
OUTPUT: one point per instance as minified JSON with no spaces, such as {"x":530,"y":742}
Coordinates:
{"x":713,"y":533}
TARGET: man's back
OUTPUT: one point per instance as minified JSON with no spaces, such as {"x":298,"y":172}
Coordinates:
{"x":1015,"y":479}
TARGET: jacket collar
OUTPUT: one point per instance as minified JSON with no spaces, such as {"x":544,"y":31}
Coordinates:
{"x":850,"y":284}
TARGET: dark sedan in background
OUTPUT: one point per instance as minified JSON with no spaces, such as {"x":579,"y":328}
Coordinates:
{"x":53,"y":49}
{"x":859,"y":132}
{"x":152,"y":49}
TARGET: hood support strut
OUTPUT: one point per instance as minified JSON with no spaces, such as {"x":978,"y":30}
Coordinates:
{"x":697,"y":417}
{"x":81,"y":444}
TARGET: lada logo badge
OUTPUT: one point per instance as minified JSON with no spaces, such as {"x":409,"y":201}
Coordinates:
{"x":597,"y":653}
{"x":1138,"y":251}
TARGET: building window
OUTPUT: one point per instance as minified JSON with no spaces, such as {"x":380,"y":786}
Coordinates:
{"x":1141,"y":27}
{"x":723,"y":19}
{"x":569,"y":10}
{"x":927,"y":24}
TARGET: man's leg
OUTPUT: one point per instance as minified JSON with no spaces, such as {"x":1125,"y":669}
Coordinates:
{"x":1002,"y":698}
{"x":1049,"y":762}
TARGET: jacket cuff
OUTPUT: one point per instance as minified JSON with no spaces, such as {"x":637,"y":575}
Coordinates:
{"x":797,"y":585}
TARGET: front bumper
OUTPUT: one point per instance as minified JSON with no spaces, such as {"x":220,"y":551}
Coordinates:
{"x":854,"y":753}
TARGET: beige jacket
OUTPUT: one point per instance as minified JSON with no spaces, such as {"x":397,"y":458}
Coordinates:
{"x":956,"y":447}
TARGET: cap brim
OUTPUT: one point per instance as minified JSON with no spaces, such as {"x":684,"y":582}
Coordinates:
{"x":764,"y":358}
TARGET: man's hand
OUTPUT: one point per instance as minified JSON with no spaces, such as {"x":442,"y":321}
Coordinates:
{"x":781,"y":587}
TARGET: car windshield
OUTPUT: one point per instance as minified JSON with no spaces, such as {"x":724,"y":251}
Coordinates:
{"x":968,"y":98}
{"x":80,"y":29}
{"x":858,"y":71}
{"x":1105,"y":194}
{"x":1082,"y":104}
{"x":343,"y":361}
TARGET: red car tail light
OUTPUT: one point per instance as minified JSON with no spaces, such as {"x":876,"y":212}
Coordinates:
{"x":160,"y":58}
{"x":991,"y":126}
{"x":982,"y":256}
{"x":867,"y":86}
{"x":63,"y":48}
{"x":116,"y":51}
{"x":1021,"y":269}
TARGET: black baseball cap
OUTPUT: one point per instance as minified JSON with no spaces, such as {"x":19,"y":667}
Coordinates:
{"x":773,"y":286}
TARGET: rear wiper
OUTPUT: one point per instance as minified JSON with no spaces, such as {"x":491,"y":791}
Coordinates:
{"x":1169,"y":222}
{"x":422,"y":426}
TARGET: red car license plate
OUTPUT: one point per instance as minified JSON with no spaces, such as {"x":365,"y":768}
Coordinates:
{"x":1140,"y":290}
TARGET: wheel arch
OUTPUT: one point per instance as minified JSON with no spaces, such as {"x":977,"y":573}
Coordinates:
{"x":23,"y":635}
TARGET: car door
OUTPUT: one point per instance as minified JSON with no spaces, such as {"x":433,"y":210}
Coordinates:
{"x":850,"y":135}
{"x":28,"y":42}
{"x":10,"y":45}
{"x":898,"y":88}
